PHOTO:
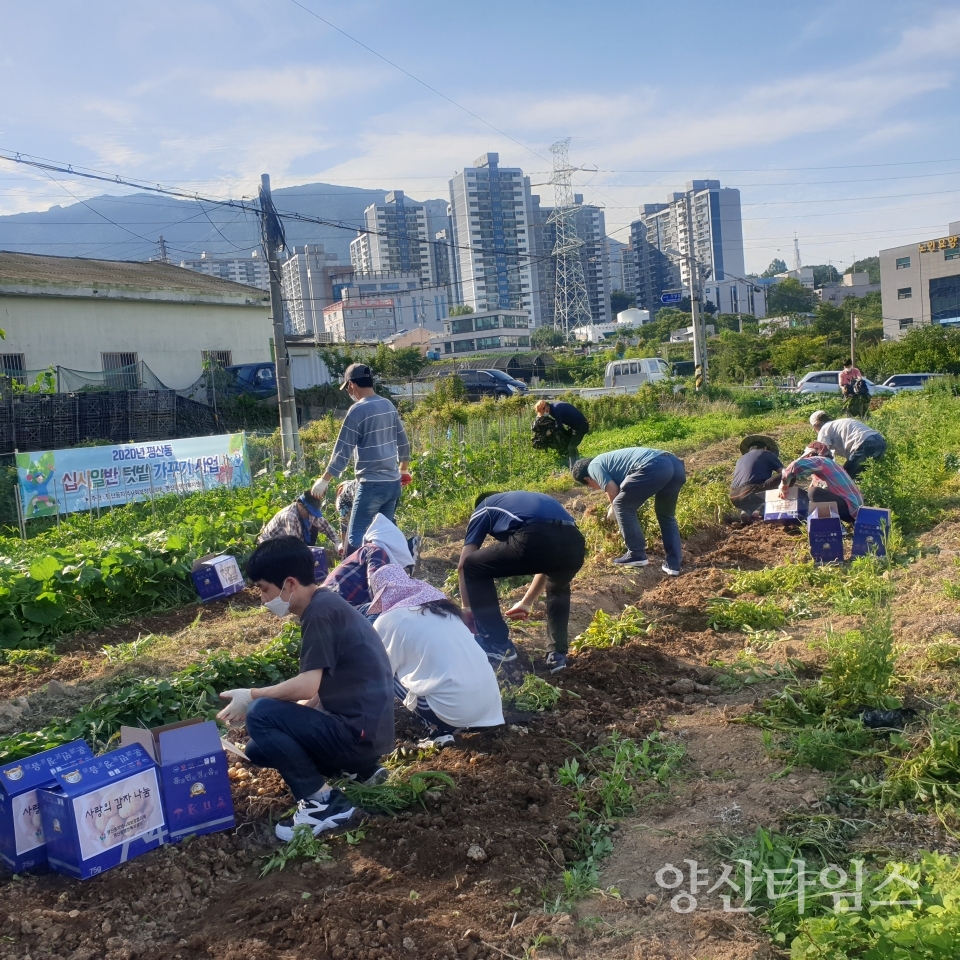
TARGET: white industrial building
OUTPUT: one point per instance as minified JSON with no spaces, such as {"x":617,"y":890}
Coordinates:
{"x":360,"y":319}
{"x":311,"y":280}
{"x":487,"y":331}
{"x":104,"y":315}
{"x":736,"y":296}
{"x":920,"y":284}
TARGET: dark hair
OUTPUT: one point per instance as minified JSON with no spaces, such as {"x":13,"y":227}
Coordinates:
{"x":579,"y":469}
{"x":483,"y":496}
{"x":276,"y":560}
{"x":848,"y":363}
{"x":442,"y":608}
{"x":362,"y":381}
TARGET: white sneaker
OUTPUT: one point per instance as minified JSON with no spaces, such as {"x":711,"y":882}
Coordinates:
{"x":669,"y":571}
{"x":319,"y":815}
{"x":444,"y":740}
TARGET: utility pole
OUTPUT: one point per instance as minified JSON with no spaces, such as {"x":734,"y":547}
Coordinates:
{"x":699,"y":331}
{"x":853,"y":338}
{"x":271,"y":233}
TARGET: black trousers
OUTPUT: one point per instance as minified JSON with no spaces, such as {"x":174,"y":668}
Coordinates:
{"x":543,"y":547}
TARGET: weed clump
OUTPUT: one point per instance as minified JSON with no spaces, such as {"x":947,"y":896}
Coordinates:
{"x":607,"y":630}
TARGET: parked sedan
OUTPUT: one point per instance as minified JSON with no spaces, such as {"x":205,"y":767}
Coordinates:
{"x":828,"y":381}
{"x":909,"y":381}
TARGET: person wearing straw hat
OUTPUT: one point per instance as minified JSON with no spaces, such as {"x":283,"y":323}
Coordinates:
{"x":758,"y":470}
{"x":302,"y":519}
{"x":440,"y":672}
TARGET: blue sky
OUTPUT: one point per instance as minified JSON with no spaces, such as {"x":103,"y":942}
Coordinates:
{"x":839,"y":121}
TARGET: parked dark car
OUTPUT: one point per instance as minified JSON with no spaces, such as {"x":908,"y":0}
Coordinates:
{"x":683,"y":368}
{"x":255,"y":379}
{"x":490,"y":383}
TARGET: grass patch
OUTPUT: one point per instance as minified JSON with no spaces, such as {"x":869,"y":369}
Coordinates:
{"x":726,"y":614}
{"x":605,"y":781}
{"x":852,"y":590}
{"x":303,"y":846}
{"x":534,"y":695}
{"x":400,"y":792}
{"x":608,"y":630}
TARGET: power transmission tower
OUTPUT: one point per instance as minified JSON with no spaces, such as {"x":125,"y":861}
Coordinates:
{"x":271,"y":232}
{"x":572,"y":306}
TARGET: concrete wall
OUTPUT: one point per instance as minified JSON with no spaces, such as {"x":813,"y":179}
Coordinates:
{"x":168,"y":336}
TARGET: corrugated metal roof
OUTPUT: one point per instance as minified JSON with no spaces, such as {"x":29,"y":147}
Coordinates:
{"x":33,"y":270}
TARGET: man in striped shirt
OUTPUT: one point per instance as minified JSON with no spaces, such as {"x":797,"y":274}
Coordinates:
{"x":373,"y":435}
{"x":828,"y":480}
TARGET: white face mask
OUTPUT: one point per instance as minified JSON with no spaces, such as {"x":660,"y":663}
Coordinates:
{"x":278,"y":606}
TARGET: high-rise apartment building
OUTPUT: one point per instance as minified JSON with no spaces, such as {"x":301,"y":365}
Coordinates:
{"x":310,"y":280}
{"x":251,"y":271}
{"x":490,"y":214}
{"x":594,"y":256}
{"x":703,"y":222}
{"x":398,"y":239}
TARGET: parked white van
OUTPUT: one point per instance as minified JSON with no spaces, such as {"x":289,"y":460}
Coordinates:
{"x":635,"y":373}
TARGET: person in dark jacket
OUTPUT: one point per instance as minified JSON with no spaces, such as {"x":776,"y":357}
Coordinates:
{"x":758,"y":470}
{"x":572,"y":422}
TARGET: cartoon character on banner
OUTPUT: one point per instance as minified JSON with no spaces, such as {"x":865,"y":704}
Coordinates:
{"x":237,"y":456}
{"x":37,"y":476}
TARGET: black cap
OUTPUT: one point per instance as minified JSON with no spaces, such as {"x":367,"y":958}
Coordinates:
{"x":356,"y":371}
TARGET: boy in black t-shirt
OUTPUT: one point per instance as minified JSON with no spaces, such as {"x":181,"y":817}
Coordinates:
{"x":336,"y":715}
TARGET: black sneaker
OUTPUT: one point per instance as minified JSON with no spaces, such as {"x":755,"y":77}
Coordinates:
{"x":556,"y":661}
{"x":319,"y":815}
{"x":496,"y":657}
{"x":630,"y":559}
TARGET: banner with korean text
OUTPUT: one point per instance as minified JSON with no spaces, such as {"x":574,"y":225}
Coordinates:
{"x":90,"y":478}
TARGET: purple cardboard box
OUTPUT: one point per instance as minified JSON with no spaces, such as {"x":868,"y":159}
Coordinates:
{"x":193,"y":775}
{"x":216,"y":577}
{"x":22,"y":844}
{"x":825,"y":532}
{"x":102,"y":812}
{"x":870,"y":532}
{"x":320,"y":568}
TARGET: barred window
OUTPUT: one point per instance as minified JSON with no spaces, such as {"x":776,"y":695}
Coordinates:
{"x":222,"y":358}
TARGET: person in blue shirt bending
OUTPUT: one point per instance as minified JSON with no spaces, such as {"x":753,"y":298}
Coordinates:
{"x":533,"y":534}
{"x":630,"y":477}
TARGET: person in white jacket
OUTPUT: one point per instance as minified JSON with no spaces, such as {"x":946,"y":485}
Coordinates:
{"x":440,"y":672}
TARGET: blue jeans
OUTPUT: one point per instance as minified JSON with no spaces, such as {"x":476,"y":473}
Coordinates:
{"x":661,"y":479}
{"x":423,"y":709}
{"x":305,"y":745}
{"x":872,"y":448}
{"x":373,"y":497}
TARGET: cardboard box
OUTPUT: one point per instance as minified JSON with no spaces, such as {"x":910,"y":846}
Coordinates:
{"x":22,"y":845}
{"x":193,"y":775}
{"x":779,"y":509}
{"x":320,"y":566}
{"x":825,"y":532}
{"x":217,"y":576}
{"x":102,"y":812}
{"x":870,"y":532}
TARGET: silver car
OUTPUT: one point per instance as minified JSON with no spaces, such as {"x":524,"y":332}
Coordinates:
{"x":909,"y":381}
{"x":828,"y":381}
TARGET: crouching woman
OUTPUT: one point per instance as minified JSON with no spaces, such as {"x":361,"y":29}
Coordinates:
{"x":440,"y":672}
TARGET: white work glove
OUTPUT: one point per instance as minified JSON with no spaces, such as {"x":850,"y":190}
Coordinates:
{"x":233,"y":713}
{"x":319,"y":487}
{"x":611,"y":516}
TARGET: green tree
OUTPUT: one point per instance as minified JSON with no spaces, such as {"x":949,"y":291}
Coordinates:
{"x":932,"y":349}
{"x":621,"y":301}
{"x":824,"y":274}
{"x":545,"y":338}
{"x":776,"y":266}
{"x":460,"y":311}
{"x":737,"y":357}
{"x":789,"y":296}
{"x":870,"y":266}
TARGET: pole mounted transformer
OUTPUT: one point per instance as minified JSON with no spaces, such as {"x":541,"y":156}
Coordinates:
{"x":572,"y":306}
{"x":273,"y":239}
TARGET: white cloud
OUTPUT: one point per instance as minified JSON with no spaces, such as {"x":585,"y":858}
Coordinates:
{"x":294,"y":87}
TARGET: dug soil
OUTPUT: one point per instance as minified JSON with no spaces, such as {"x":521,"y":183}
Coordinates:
{"x":467,"y":874}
